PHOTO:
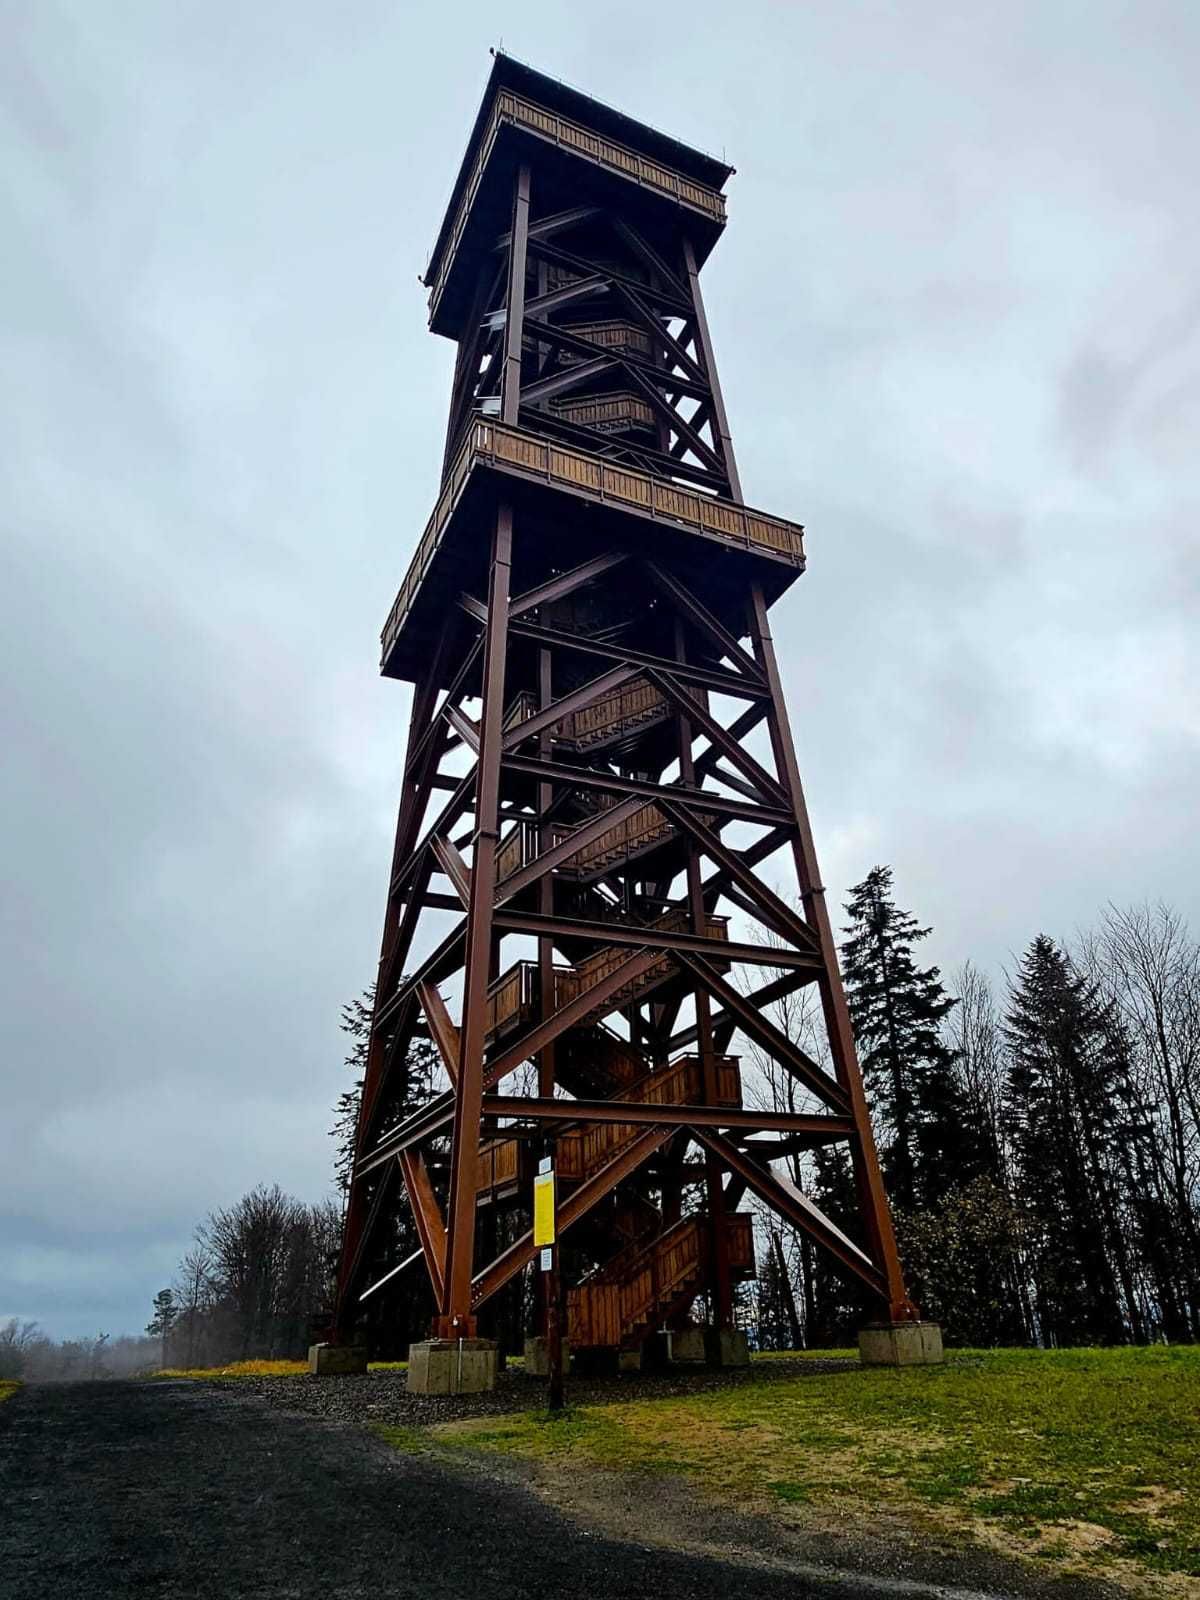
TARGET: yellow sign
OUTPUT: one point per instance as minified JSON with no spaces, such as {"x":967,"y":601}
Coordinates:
{"x":543,"y":1209}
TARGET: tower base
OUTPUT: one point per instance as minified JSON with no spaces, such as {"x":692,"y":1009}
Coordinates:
{"x":537,"y":1357}
{"x":900,"y":1344}
{"x":452,"y":1366}
{"x":712,"y":1347}
{"x":330,"y":1360}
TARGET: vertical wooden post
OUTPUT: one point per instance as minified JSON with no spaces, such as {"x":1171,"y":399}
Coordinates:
{"x":456,"y":1319}
{"x":721,"y":421}
{"x":514,"y":320}
{"x":713,"y":1172}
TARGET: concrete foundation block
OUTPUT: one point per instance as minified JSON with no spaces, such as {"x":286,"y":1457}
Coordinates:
{"x":537,"y":1357}
{"x":452,"y":1366}
{"x":630,"y":1360}
{"x":330,"y":1360}
{"x":900,"y":1344}
{"x":727,"y":1347}
{"x":689,"y":1347}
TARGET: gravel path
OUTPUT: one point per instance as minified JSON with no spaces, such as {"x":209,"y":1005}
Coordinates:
{"x":193,"y":1490}
{"x":383,"y":1397}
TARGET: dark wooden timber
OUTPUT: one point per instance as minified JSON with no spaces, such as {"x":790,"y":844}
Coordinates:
{"x":589,"y":594}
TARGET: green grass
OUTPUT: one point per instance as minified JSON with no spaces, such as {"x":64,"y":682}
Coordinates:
{"x":1084,"y":1455}
{"x":8,"y":1387}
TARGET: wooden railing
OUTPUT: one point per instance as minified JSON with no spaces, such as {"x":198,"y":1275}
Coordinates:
{"x":645,"y":827}
{"x":607,"y":413}
{"x":499,"y":1163}
{"x":599,"y":1060}
{"x":577,"y":469}
{"x":512,"y":996}
{"x":565,"y":467}
{"x":630,"y":837}
{"x":634,"y":702}
{"x":609,"y":335}
{"x":583,"y":1150}
{"x":595,"y":147}
{"x":609,"y":714}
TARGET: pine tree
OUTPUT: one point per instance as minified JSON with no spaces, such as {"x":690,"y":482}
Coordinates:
{"x":405,"y":1306}
{"x":356,"y":1021}
{"x":163,"y":1320}
{"x":1064,"y":1096}
{"x":835,"y":1306}
{"x":929,"y":1141}
{"x":413,"y":1085}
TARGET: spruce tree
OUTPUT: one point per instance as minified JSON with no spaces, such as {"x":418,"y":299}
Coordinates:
{"x":163,"y":1320}
{"x":1064,"y":1098}
{"x":835,"y":1306}
{"x":406,"y":1306}
{"x":412,"y":1083}
{"x":928,"y":1141}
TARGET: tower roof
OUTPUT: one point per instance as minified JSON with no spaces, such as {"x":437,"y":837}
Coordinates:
{"x":509,"y":73}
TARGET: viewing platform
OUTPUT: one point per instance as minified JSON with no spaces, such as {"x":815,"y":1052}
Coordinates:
{"x":585,"y":148}
{"x":551,"y":481}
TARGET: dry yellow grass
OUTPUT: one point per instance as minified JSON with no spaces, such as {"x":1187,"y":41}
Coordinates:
{"x":239,"y":1369}
{"x":264,"y":1369}
{"x":8,"y":1387}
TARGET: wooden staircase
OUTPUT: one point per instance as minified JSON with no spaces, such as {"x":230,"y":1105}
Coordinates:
{"x":583,"y":1150}
{"x":650,"y":1280}
{"x":616,"y":715}
{"x":513,"y":997}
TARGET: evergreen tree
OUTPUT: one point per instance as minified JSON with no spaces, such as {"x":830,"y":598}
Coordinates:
{"x":929,"y":1139}
{"x":396,"y":1314}
{"x":412,"y":1085}
{"x":835,"y":1306}
{"x":968,"y":1255}
{"x":356,"y":1021}
{"x":163,"y":1320}
{"x":1065,"y":1093}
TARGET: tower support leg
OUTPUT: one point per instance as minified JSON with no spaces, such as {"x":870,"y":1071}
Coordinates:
{"x":900,"y":1344}
{"x":456,"y":1320}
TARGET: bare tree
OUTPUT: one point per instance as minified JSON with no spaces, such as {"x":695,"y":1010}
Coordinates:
{"x":1148,"y":964}
{"x":193,"y":1290}
{"x":973,"y":1033}
{"x":18,"y":1341}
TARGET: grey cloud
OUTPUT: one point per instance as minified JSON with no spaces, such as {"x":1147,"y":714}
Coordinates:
{"x":956,"y":319}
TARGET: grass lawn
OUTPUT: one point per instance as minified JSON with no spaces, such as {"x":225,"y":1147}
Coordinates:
{"x":1073,"y":1456}
{"x":8,"y":1387}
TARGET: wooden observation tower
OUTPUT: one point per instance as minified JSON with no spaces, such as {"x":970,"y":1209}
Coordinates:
{"x":599,"y":766}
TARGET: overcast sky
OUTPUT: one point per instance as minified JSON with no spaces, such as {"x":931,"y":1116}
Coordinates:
{"x":956,"y":312}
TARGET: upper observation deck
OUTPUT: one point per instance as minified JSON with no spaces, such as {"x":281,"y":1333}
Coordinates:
{"x":585,"y":150}
{"x":573,"y":505}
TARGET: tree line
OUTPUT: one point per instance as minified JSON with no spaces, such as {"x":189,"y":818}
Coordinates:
{"x":1041,"y":1145}
{"x":248,"y":1289}
{"x":29,"y":1354}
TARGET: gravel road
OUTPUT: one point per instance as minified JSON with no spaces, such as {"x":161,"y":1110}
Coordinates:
{"x":190,"y":1490}
{"x":182,"y":1490}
